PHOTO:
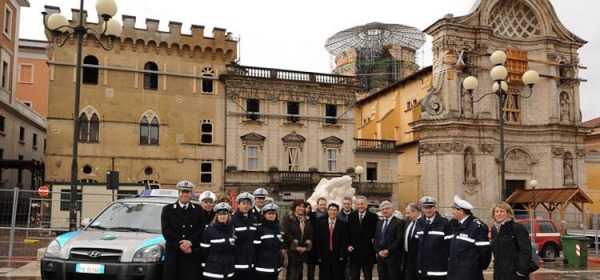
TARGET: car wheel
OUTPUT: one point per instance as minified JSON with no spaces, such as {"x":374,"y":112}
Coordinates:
{"x":549,"y":253}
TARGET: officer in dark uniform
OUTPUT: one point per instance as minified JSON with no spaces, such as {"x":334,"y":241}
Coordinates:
{"x":260,"y":200}
{"x":432,"y":231}
{"x":182,"y":226}
{"x":244,"y":224}
{"x":268,"y":242}
{"x":470,"y":250}
{"x":218,"y":245}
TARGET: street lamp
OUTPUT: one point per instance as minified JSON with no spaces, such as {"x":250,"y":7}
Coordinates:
{"x":532,"y":184}
{"x":359,"y":171}
{"x":499,"y":88}
{"x":58,"y":24}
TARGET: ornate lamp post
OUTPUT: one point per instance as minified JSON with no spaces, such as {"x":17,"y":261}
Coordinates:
{"x":59,"y":26}
{"x":359,"y":170}
{"x":532,"y":184}
{"x":499,"y":88}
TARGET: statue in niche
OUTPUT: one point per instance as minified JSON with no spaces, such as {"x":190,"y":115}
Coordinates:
{"x":467,"y":104}
{"x":568,"y":169}
{"x":470,"y":175}
{"x":564,"y":107}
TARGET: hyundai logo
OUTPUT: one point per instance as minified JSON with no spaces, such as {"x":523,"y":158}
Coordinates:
{"x":94,"y":254}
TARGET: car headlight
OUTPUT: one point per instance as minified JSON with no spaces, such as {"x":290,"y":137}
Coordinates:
{"x":152,"y":253}
{"x":53,"y":250}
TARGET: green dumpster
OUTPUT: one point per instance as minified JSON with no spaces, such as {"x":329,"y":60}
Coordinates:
{"x":575,"y":249}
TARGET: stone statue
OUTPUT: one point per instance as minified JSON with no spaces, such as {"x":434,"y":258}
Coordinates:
{"x":564,"y":107}
{"x":568,"y":169}
{"x":469,"y":166}
{"x":467,"y":105}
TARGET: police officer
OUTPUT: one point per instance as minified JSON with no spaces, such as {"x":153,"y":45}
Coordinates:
{"x":207,"y":200}
{"x":218,"y":245}
{"x":470,"y":250}
{"x":260,"y":200}
{"x":431,"y":231}
{"x":244,"y":224}
{"x":182,"y":226}
{"x":268,"y":242}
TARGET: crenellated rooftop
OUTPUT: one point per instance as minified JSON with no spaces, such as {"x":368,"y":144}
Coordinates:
{"x":174,"y":40}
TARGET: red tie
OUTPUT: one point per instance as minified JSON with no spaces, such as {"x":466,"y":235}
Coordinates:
{"x":331,"y":236}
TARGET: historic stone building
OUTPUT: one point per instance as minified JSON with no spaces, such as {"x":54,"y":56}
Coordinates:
{"x":459,"y":133}
{"x":151,"y":107}
{"x":287,"y":129}
{"x":22,"y":130}
{"x":592,"y":162}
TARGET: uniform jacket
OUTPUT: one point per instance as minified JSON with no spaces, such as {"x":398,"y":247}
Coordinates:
{"x":257,"y":214}
{"x":434,"y":246}
{"x":268,"y":243}
{"x":512,"y":251}
{"x":181,"y":224}
{"x":293,"y":237}
{"x":361,"y":237}
{"x":340,"y":240}
{"x":470,"y":250}
{"x":393,"y":240}
{"x":245,"y":231}
{"x":218,"y":245}
{"x":208,"y":216}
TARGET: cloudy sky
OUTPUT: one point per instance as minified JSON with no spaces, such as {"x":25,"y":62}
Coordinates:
{"x":291,"y":34}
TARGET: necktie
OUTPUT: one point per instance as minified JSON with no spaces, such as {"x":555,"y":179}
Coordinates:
{"x":360,"y":217}
{"x":330,"y":236}
{"x":408,"y":235}
{"x":383,"y":230}
{"x":428,"y":221}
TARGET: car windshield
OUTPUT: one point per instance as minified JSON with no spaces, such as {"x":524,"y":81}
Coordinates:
{"x":130,"y":216}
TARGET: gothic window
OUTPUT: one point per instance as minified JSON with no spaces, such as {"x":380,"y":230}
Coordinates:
{"x":90,"y":73}
{"x":150,"y":78}
{"x":89,"y":128}
{"x":149,"y":131}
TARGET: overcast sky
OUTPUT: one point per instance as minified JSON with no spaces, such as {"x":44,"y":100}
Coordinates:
{"x":291,"y":34}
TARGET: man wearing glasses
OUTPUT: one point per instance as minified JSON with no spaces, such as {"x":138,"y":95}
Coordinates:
{"x":433,"y":232}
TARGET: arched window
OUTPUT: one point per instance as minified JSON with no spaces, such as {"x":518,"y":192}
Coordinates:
{"x":207,"y":83}
{"x":90,"y":74}
{"x":89,"y":128}
{"x":149,"y":131}
{"x":150,"y":79}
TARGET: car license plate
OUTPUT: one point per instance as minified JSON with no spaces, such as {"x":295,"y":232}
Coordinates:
{"x":89,"y":268}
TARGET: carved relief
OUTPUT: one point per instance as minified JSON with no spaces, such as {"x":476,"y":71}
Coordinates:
{"x":558,"y":151}
{"x":441,"y":147}
{"x":486,"y":148}
{"x":581,"y":153}
{"x":518,"y":161}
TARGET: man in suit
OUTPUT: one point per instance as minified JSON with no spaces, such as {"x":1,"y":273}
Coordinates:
{"x":319,"y":214}
{"x":388,"y":243}
{"x":182,"y":226}
{"x":332,"y":245}
{"x":411,"y":243}
{"x":362,"y":225}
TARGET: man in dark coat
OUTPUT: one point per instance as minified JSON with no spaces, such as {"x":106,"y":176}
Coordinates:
{"x":470,"y":250}
{"x":432,"y":230}
{"x":388,"y":243}
{"x":411,"y":243}
{"x":362,"y":225}
{"x":319,"y":213}
{"x":182,"y":226}
{"x":331,"y":242}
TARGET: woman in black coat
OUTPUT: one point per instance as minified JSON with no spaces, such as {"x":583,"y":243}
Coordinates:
{"x":218,"y":245}
{"x":268,"y":242}
{"x":510,"y":244}
{"x":297,"y":239}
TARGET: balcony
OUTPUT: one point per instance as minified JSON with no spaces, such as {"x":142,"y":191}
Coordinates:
{"x":287,"y":75}
{"x":374,"y":145}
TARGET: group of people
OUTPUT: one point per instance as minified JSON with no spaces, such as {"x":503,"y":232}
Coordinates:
{"x":341,"y":240}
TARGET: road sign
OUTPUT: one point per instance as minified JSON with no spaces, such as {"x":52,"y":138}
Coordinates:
{"x":43,"y":191}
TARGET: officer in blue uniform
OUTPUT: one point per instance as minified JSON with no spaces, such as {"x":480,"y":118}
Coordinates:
{"x":268,"y":242}
{"x":218,"y":245}
{"x":433,"y":232}
{"x":244,"y":224}
{"x":182,"y":225}
{"x":260,"y":200}
{"x":470,"y":250}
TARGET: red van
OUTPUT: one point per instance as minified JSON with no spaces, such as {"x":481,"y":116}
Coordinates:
{"x":547,"y":237}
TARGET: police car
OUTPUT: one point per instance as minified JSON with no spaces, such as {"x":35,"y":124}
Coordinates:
{"x":123,"y":242}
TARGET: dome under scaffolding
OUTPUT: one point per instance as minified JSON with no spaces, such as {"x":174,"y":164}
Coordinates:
{"x":375,"y":35}
{"x":377,"y":53}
